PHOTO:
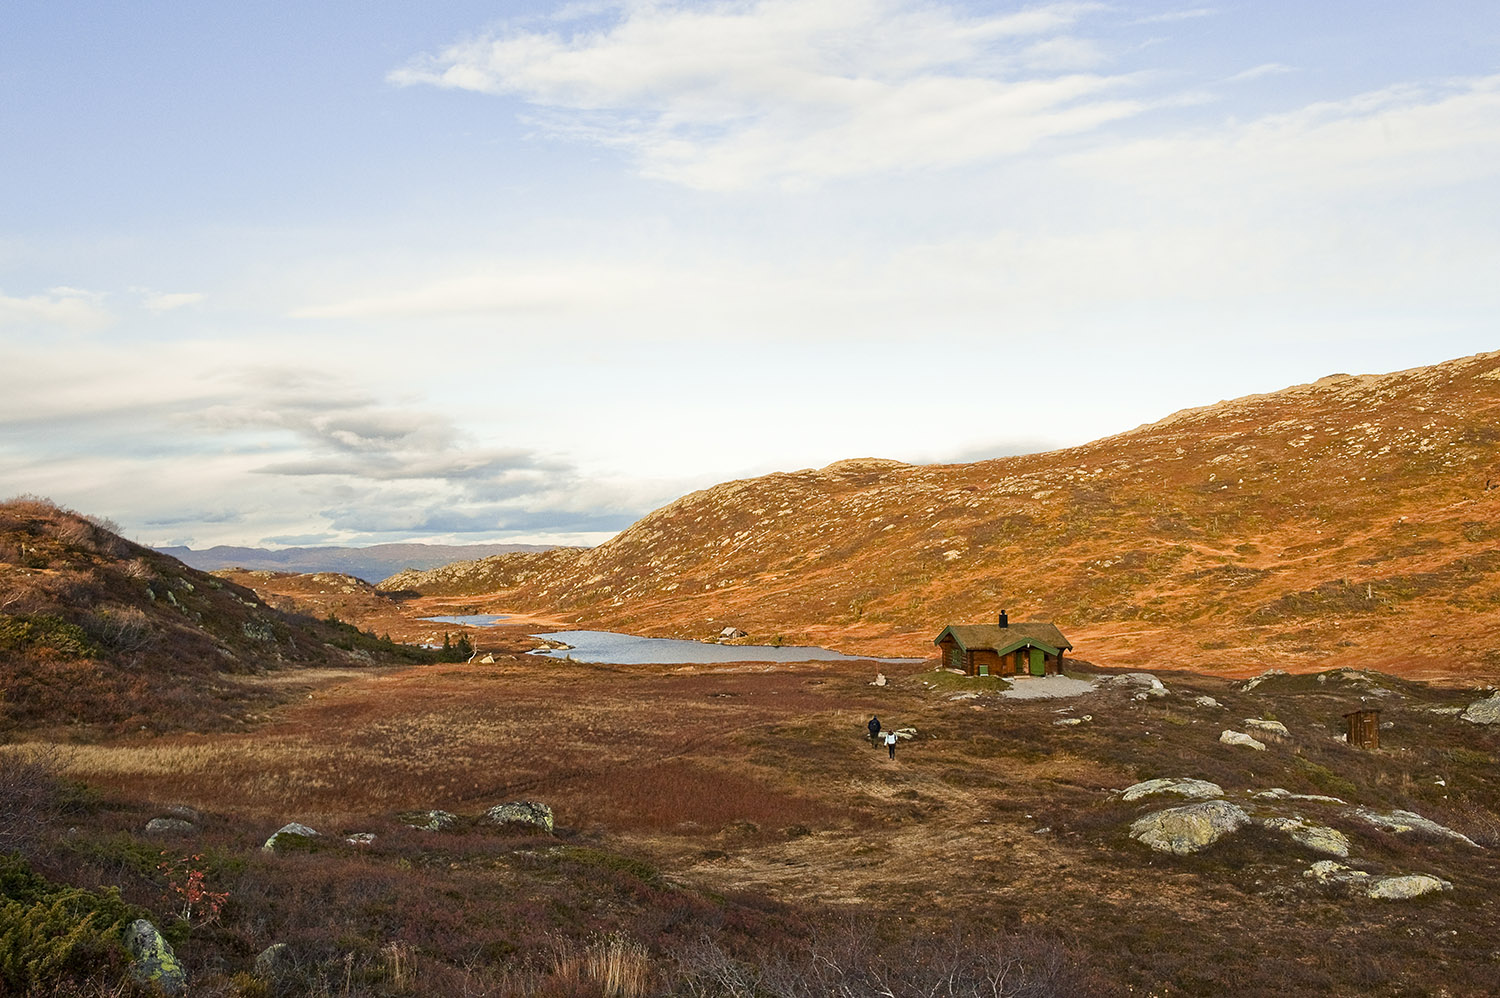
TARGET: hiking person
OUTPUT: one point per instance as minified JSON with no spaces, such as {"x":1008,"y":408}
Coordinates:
{"x":890,"y":743}
{"x":874,"y":727}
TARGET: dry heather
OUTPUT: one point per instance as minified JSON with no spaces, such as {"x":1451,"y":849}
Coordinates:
{"x":710,"y":817}
{"x":1348,"y":522}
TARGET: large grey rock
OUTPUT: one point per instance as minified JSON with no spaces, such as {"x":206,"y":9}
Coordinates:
{"x":1409,"y":886}
{"x":1147,"y":683}
{"x":292,"y":829}
{"x":1183,"y":787}
{"x":169,"y":826}
{"x":429,"y":821}
{"x":1188,"y":829}
{"x":1483,"y":711}
{"x":1206,"y":701}
{"x":1240,"y":738}
{"x":1319,"y":838}
{"x":1401,"y":822}
{"x":1261,"y":726}
{"x":152,"y":961}
{"x":524,"y":812}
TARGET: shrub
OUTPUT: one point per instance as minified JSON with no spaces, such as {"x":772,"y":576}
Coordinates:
{"x":44,"y":632}
{"x":49,"y":931}
{"x":29,"y":798}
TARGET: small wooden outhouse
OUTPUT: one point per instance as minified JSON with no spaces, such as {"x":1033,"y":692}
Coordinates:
{"x":1030,"y":647}
{"x":1364,"y":727}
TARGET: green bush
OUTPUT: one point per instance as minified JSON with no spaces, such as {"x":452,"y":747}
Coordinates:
{"x":37,"y":631}
{"x":49,"y":931}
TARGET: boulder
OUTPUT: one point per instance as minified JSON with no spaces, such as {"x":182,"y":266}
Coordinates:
{"x":1409,"y":886}
{"x":1240,"y":738}
{"x":487,"y":660}
{"x":524,"y":812}
{"x":1188,"y":829}
{"x":152,"y":961}
{"x":1318,"y":838}
{"x":361,"y":839}
{"x":169,"y":826}
{"x":274,"y":962}
{"x":1183,"y":787}
{"x":1485,"y":711}
{"x":292,"y":829}
{"x":1260,"y":726}
{"x":879,"y":679}
{"x":429,"y":821}
{"x":1149,"y":685}
{"x":1401,"y":822}
{"x":906,"y":734}
{"x":1207,"y":701}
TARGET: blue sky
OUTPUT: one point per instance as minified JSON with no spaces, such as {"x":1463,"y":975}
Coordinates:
{"x":348,"y":273}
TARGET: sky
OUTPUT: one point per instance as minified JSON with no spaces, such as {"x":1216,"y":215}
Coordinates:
{"x":348,"y":273}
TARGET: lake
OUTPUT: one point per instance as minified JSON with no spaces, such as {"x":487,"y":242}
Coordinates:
{"x":471,"y":619}
{"x":610,"y":648}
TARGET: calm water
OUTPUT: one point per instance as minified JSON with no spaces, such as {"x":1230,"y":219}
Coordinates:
{"x":609,"y":648}
{"x":471,"y":619}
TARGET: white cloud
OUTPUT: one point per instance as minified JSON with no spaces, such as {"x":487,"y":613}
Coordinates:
{"x":1256,"y":72}
{"x":66,"y":308}
{"x":797,"y":92}
{"x":156,"y":301}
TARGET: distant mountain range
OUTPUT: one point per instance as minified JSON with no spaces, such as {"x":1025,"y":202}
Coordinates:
{"x":371,"y":564}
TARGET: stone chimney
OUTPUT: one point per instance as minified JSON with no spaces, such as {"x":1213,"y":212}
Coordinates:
{"x":1004,"y":620}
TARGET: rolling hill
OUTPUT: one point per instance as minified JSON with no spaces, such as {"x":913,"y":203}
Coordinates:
{"x":1348,"y":522}
{"x":371,"y":563}
{"x":98,"y":632}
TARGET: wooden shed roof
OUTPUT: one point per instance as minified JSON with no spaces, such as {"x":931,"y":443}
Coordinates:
{"x":1001,"y":639}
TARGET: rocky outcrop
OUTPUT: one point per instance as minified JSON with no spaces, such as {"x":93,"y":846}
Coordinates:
{"x":1240,"y":738}
{"x":1403,"y":822}
{"x":1318,"y":838}
{"x":1251,"y":684}
{"x":274,"y":962}
{"x":152,"y":961}
{"x":291,"y":831}
{"x":526,"y":812}
{"x":1206,"y":701}
{"x":1183,"y":787}
{"x":1485,"y":711}
{"x":1188,"y":829}
{"x":1280,"y":793}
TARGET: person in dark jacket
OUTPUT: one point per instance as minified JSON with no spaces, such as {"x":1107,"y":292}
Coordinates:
{"x":874,"y":727}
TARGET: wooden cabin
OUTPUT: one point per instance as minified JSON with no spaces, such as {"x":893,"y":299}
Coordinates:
{"x":1029,"y":647}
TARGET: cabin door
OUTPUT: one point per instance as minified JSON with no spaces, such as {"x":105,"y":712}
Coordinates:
{"x":984,"y":668}
{"x":1038,"y":662}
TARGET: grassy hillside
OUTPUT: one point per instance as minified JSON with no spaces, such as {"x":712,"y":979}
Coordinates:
{"x":97,"y":631}
{"x":1352,"y":521}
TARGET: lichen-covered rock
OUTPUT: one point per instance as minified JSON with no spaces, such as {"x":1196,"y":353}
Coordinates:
{"x":1485,"y":711}
{"x":152,"y":961}
{"x":1260,"y":725}
{"x":1318,"y":838}
{"x":429,"y":821}
{"x":1151,"y":686}
{"x":1207,"y":701}
{"x":1401,"y":822}
{"x":1409,"y":886}
{"x":291,"y":829}
{"x":525,"y":812}
{"x":1240,"y":738}
{"x":169,"y":826}
{"x":1326,"y":871}
{"x":1188,"y":829}
{"x":274,"y":962}
{"x":1183,"y":787}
